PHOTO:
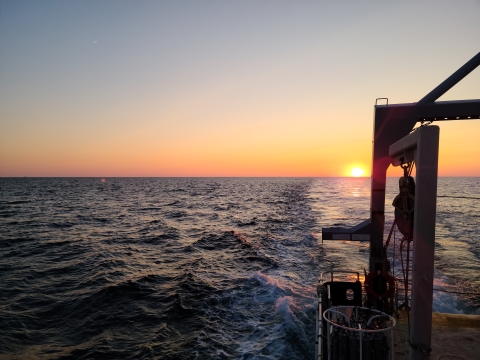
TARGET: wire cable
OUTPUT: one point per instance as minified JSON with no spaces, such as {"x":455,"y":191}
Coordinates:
{"x":459,"y":197}
{"x":457,"y":292}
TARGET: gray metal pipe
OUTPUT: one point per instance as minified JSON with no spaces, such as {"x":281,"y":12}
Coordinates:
{"x":451,"y":81}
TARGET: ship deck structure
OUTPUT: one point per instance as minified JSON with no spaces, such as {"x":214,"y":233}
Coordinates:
{"x":403,"y":137}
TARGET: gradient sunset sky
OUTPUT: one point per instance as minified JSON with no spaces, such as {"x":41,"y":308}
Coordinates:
{"x":223,"y":88}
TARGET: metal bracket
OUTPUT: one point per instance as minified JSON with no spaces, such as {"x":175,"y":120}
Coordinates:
{"x":420,"y":347}
{"x":380,"y":99}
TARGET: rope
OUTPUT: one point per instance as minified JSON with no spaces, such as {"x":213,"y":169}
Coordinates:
{"x":405,"y":268}
{"x":389,"y":236}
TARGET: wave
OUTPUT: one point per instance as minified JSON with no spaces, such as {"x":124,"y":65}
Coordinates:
{"x":187,"y":268}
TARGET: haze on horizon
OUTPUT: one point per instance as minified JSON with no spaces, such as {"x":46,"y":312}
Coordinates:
{"x":213,"y":88}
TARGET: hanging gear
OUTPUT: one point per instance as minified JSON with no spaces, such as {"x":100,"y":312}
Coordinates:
{"x":404,"y":202}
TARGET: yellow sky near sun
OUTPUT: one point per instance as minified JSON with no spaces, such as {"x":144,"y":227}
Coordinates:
{"x":251,"y":150}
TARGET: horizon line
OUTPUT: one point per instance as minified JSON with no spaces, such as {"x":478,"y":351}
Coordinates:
{"x":212,"y":177}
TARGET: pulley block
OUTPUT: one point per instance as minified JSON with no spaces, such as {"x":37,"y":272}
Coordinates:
{"x":404,"y":204}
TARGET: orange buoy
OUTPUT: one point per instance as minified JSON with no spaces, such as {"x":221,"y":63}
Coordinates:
{"x":376,"y":285}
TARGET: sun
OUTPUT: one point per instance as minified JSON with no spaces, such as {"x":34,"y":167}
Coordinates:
{"x":356,"y":172}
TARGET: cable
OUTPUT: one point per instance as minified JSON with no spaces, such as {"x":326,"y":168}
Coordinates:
{"x":389,"y":235}
{"x":459,"y":197}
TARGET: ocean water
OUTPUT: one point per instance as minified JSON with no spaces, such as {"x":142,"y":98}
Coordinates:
{"x":195,"y":268}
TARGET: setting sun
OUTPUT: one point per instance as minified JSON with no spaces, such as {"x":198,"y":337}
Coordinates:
{"x":357,"y":172}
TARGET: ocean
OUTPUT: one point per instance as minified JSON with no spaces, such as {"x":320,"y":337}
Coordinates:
{"x":196,"y":268}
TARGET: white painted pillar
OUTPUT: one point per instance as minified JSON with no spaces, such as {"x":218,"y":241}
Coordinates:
{"x":423,"y":145}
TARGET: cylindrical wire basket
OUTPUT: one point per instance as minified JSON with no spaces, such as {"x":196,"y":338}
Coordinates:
{"x":358,"y":333}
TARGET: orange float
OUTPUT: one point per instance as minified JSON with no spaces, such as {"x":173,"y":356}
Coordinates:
{"x":372,"y":285}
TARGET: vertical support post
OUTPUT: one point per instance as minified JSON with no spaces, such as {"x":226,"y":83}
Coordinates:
{"x":317,"y":330}
{"x":426,"y":159}
{"x":361,"y":340}
{"x":377,"y":213}
{"x":391,"y":345}
{"x":380,"y":164}
{"x":386,"y":130}
{"x":329,"y":338}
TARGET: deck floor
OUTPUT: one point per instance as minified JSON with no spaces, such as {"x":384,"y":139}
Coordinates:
{"x":454,"y":337}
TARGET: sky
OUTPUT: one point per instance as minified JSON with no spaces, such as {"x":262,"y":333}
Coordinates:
{"x":224,"y":88}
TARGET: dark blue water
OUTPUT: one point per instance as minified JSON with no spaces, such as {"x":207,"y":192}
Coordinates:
{"x":184,"y":268}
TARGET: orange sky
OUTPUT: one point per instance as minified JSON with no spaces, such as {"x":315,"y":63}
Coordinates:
{"x":235,"y":89}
